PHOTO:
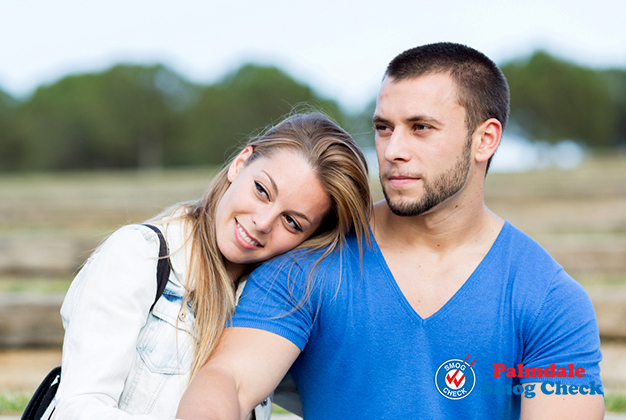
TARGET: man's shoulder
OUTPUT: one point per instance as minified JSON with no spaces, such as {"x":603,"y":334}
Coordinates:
{"x":535,"y":273}
{"x":523,"y":250}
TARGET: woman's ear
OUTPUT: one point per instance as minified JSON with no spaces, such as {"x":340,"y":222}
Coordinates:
{"x":490,"y":133}
{"x":238,"y":163}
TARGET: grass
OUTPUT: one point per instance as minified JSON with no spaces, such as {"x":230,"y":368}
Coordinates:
{"x":40,"y":284}
{"x":615,"y":402}
{"x":12,"y":402}
{"x":279,"y":410}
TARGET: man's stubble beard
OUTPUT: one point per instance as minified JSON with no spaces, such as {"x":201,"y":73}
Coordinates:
{"x":443,"y":187}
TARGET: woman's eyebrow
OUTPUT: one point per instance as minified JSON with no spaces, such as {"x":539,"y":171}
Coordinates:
{"x":300,"y":215}
{"x":274,"y":186}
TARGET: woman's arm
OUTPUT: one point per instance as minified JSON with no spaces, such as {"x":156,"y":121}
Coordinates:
{"x":104,"y":310}
{"x":245,"y":369}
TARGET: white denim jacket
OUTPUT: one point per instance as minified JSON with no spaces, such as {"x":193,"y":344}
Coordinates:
{"x":121,"y":360}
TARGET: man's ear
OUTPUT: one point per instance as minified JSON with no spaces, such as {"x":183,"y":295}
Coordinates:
{"x":239,"y":162}
{"x":489,"y":134}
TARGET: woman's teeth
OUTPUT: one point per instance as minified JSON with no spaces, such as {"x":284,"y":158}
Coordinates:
{"x":246,"y":237}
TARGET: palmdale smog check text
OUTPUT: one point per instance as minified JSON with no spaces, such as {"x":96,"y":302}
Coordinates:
{"x":547,"y":387}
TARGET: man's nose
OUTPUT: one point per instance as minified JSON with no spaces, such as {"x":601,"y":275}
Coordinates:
{"x":398,"y":146}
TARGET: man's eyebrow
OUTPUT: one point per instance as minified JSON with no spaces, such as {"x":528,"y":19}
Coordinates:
{"x":379,"y":120}
{"x":416,"y":118}
{"x":423,"y":119}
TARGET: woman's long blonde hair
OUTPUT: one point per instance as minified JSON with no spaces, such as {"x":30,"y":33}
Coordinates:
{"x":341,"y":169}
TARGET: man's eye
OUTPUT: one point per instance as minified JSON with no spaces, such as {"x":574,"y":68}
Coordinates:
{"x":383,"y":130}
{"x":292,"y":222}
{"x":421,"y":127}
{"x":261,"y":189}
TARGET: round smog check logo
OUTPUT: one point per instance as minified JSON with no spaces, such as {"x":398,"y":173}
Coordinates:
{"x":455,"y":378}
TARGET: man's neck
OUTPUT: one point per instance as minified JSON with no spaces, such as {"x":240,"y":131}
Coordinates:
{"x":432,"y":255}
{"x":445,"y":228}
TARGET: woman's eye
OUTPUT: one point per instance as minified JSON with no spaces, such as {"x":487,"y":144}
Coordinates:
{"x":292,"y":222}
{"x":261,"y":189}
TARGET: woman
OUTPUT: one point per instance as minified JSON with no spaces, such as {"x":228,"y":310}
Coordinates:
{"x":301,"y":184}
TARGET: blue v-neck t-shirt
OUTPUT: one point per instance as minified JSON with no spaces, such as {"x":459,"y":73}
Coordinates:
{"x":518,"y":319}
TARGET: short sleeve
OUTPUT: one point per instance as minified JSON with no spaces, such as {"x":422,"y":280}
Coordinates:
{"x":564,"y":332}
{"x":274,"y":300}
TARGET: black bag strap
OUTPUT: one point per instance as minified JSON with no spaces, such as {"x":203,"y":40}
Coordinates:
{"x":163,"y":266}
{"x":47,"y":390}
{"x":42,"y":397}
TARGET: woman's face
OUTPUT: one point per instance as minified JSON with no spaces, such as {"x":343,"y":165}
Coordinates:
{"x":272,"y":205}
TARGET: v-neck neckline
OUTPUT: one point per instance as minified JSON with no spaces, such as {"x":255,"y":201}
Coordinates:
{"x":402,"y":299}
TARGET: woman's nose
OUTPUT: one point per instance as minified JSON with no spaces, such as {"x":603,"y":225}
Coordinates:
{"x":263,"y":221}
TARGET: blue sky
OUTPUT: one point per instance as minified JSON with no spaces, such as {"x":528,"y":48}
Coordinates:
{"x":339,"y":47}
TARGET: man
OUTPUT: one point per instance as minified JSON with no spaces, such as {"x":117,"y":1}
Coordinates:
{"x":450,"y":313}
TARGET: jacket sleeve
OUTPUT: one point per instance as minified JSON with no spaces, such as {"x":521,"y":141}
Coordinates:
{"x":103,"y":312}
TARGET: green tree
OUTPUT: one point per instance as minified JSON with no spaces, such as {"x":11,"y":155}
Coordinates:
{"x":11,"y":148}
{"x":120,"y":118}
{"x":360,"y":126}
{"x":616,"y":82}
{"x":554,"y":100}
{"x":242,"y":104}
{"x":134,"y":116}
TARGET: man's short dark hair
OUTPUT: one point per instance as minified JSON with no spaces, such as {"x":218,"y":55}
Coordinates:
{"x":482,"y":88}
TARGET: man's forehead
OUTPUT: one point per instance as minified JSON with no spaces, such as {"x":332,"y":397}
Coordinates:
{"x":441,"y":82}
{"x":432,"y":90}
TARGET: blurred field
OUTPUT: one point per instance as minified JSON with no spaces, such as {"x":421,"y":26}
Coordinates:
{"x":579,"y":216}
{"x":49,"y":223}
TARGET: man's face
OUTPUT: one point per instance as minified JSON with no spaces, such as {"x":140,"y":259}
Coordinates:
{"x":423,"y":148}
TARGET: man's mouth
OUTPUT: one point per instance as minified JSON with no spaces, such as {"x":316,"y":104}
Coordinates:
{"x":244,"y":235}
{"x":400,"y":180}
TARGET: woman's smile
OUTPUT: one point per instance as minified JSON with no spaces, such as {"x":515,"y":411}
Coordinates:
{"x":244,"y":238}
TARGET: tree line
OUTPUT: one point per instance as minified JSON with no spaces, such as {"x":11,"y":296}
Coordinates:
{"x":149,"y":116}
{"x":554,"y":100}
